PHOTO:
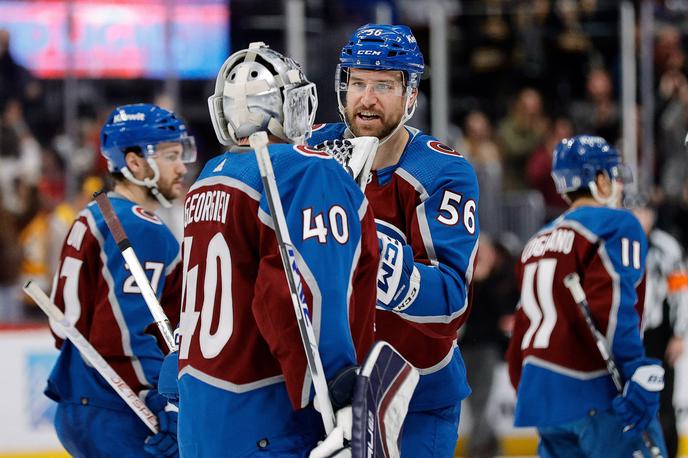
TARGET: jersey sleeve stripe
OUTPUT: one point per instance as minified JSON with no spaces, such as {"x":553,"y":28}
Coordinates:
{"x":441,"y":364}
{"x":229,"y":386}
{"x":315,"y":308}
{"x":174,"y":263}
{"x":609,"y":267}
{"x":580,"y":375}
{"x":229,"y":182}
{"x":398,"y":232}
{"x":410,"y":179}
{"x":114,"y":303}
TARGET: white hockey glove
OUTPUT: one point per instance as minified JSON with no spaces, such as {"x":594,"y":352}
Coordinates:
{"x":336,"y":444}
{"x":356,"y":155}
{"x":341,"y":391}
{"x":398,"y":278}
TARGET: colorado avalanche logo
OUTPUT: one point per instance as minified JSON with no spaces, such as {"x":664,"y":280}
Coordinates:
{"x":442,"y":148}
{"x":146,"y":215}
{"x":308,"y":151}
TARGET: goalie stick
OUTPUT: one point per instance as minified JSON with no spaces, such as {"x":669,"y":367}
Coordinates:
{"x":91,"y":355}
{"x":259,"y":143}
{"x":137,"y":271}
{"x":572,"y":282}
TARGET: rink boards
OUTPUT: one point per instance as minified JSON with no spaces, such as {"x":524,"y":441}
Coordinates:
{"x":26,"y":428}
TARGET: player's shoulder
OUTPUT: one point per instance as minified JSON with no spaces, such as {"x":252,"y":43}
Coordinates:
{"x":235,"y":169}
{"x":607,"y":223}
{"x":140,"y":225}
{"x":434,"y":164}
{"x":326,"y":131}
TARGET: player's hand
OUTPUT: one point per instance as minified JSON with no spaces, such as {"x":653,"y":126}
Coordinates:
{"x":639,"y":403}
{"x":356,"y":155}
{"x":165,"y":442}
{"x":398,"y":279}
{"x":168,"y":385}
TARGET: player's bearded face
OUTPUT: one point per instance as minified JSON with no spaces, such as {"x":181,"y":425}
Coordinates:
{"x":374,"y":102}
{"x":172,"y":170}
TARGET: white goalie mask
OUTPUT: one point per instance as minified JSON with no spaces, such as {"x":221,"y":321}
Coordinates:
{"x":259,"y":89}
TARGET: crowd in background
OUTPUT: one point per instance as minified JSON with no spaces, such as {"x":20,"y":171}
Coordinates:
{"x":524,"y":75}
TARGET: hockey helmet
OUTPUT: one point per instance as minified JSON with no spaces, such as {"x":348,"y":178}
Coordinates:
{"x":259,"y":89}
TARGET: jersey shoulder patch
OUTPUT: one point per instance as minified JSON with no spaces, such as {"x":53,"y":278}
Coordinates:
{"x":328,"y":131}
{"x":146,"y":215}
{"x":431,"y":162}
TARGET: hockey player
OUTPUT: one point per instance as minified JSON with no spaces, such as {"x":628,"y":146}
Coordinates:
{"x":563,"y":385}
{"x":424,"y":196}
{"x":244,"y":388}
{"x":146,"y":148}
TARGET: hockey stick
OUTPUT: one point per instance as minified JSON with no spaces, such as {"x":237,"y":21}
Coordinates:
{"x":92,"y":356}
{"x":132,"y":260}
{"x":572,"y":282}
{"x":259,"y":142}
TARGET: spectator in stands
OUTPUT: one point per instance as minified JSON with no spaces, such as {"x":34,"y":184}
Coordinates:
{"x":484,"y":340}
{"x":598,"y":113}
{"x":540,"y":167}
{"x":481,"y":149}
{"x":519,"y":133}
{"x":10,"y":254}
{"x":672,"y":111}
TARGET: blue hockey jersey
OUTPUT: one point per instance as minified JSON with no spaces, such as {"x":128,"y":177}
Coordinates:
{"x":96,"y":291}
{"x":554,"y":363}
{"x":428,"y":200}
{"x":244,"y":384}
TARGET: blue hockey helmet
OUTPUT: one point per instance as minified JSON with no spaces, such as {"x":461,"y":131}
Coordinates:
{"x":381,"y":47}
{"x":577,"y":161}
{"x":384,"y":47}
{"x":140,"y":128}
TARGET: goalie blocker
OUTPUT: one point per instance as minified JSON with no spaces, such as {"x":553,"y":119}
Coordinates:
{"x":383,"y":389}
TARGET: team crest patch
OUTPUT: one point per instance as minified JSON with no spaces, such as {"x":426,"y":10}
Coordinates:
{"x":308,"y":151}
{"x":442,"y":148}
{"x":146,"y":215}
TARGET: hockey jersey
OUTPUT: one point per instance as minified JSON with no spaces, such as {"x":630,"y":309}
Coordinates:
{"x":428,"y":200}
{"x":96,"y":291}
{"x":554,"y":363}
{"x":243,"y":375}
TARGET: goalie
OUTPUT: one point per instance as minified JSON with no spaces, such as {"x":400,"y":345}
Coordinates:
{"x":244,"y":387}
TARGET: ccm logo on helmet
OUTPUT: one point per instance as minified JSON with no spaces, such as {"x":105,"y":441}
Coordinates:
{"x":442,"y":148}
{"x":145,"y":214}
{"x":369,"y":52}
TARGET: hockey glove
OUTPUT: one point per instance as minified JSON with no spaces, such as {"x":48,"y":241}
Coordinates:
{"x":168,"y":385}
{"x":639,"y":403}
{"x":356,"y":155}
{"x":398,"y":279}
{"x":164,"y":443}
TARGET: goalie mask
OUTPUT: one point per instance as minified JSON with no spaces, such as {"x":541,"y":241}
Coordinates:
{"x":140,"y":128}
{"x":259,"y":89}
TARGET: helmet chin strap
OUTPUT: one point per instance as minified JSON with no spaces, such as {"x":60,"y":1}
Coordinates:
{"x":150,"y":183}
{"x":611,"y":201}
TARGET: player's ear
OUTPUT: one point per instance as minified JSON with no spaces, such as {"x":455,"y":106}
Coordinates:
{"x":412,"y":99}
{"x":135,"y":163}
{"x":604,"y":184}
